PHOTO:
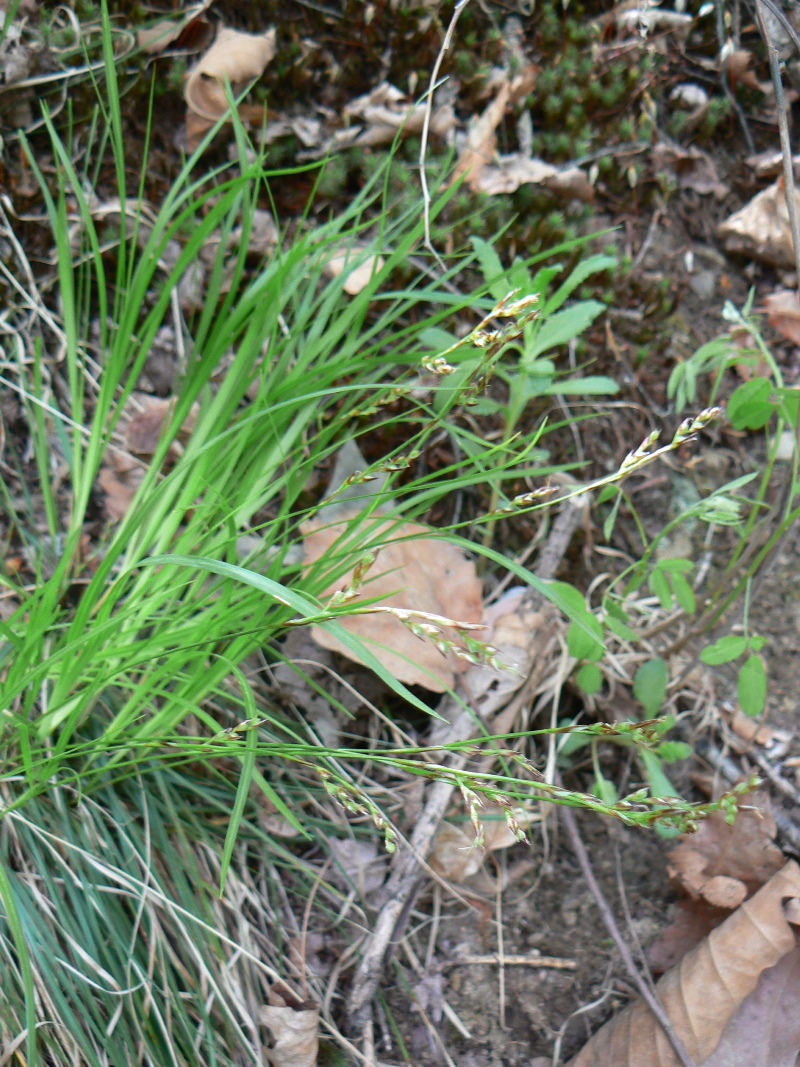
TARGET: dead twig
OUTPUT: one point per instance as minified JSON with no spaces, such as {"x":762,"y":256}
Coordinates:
{"x":611,"y":925}
{"x":405,"y":879}
{"x":552,"y":963}
{"x":426,"y":125}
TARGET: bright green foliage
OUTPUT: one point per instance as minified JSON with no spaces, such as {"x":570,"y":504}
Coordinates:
{"x":650,"y":685}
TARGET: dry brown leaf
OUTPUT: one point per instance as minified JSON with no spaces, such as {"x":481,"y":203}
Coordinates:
{"x":155,"y":38}
{"x":358,"y":278}
{"x":694,"y":920}
{"x":761,"y":228}
{"x":703,"y":993}
{"x":385,"y":110}
{"x":238,"y":57}
{"x":690,"y":168}
{"x":295,"y":1029}
{"x":765,"y":1031}
{"x":783,"y":313}
{"x":415,"y":570}
{"x":481,"y":141}
{"x":455,"y":855}
{"x":744,"y":853}
{"x":358,"y":863}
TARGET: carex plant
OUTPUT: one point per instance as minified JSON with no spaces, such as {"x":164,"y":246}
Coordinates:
{"x":139,"y":746}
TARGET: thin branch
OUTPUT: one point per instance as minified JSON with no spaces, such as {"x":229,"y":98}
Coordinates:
{"x":611,"y":925}
{"x":426,"y":125}
{"x":783,"y":127}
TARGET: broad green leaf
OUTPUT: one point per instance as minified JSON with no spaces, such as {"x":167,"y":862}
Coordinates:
{"x":437,"y":338}
{"x":756,"y":643}
{"x":684,"y":593}
{"x":608,"y":492}
{"x":592,"y":265}
{"x":673,"y":565}
{"x":750,"y":407}
{"x":583,"y":645}
{"x":660,"y":785}
{"x":605,"y":790}
{"x":491,"y":268}
{"x":725,"y":650}
{"x":564,"y":326}
{"x":752,"y":686}
{"x":611,"y":518}
{"x":591,"y":385}
{"x":650,"y":685}
{"x":621,"y":629}
{"x":658,"y":583}
{"x":590,"y":679}
{"x":672,"y":751}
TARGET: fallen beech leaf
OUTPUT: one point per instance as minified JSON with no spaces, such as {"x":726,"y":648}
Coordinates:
{"x":511,"y":172}
{"x":737,"y":64}
{"x":765,"y":1031}
{"x":690,"y":168}
{"x":238,"y":57}
{"x":155,"y":38}
{"x":412,"y":570}
{"x":481,"y":141}
{"x":455,"y":855}
{"x":744,"y":853}
{"x":296,"y":1033}
{"x":361,"y":275}
{"x":358,"y":864}
{"x":761,"y":228}
{"x":694,"y":920}
{"x":770,"y":164}
{"x":704,"y":992}
{"x":385,"y":110}
{"x":783,"y":313}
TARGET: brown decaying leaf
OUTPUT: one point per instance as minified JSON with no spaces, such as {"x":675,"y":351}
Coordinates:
{"x":704,"y":992}
{"x":694,"y":920}
{"x":239,"y":57}
{"x":690,"y":168}
{"x":744,"y":853}
{"x":384,"y":111}
{"x":783,"y":313}
{"x":415,"y":570}
{"x":295,"y":1029}
{"x":456,"y":856}
{"x":765,"y":1031}
{"x":481,"y":143}
{"x":361,"y":275}
{"x":761,"y":228}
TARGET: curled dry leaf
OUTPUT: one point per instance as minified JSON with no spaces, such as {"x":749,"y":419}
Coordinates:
{"x":770,"y":164}
{"x":719,"y":863}
{"x":357,"y":865}
{"x":761,"y":228}
{"x":456,"y":856}
{"x":783,"y":314}
{"x":295,"y":1030}
{"x":707,"y":988}
{"x":480,"y":145}
{"x":690,"y":168}
{"x":360,"y":276}
{"x":385,"y":111}
{"x":413,"y":569}
{"x":238,"y":57}
{"x":511,"y":172}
